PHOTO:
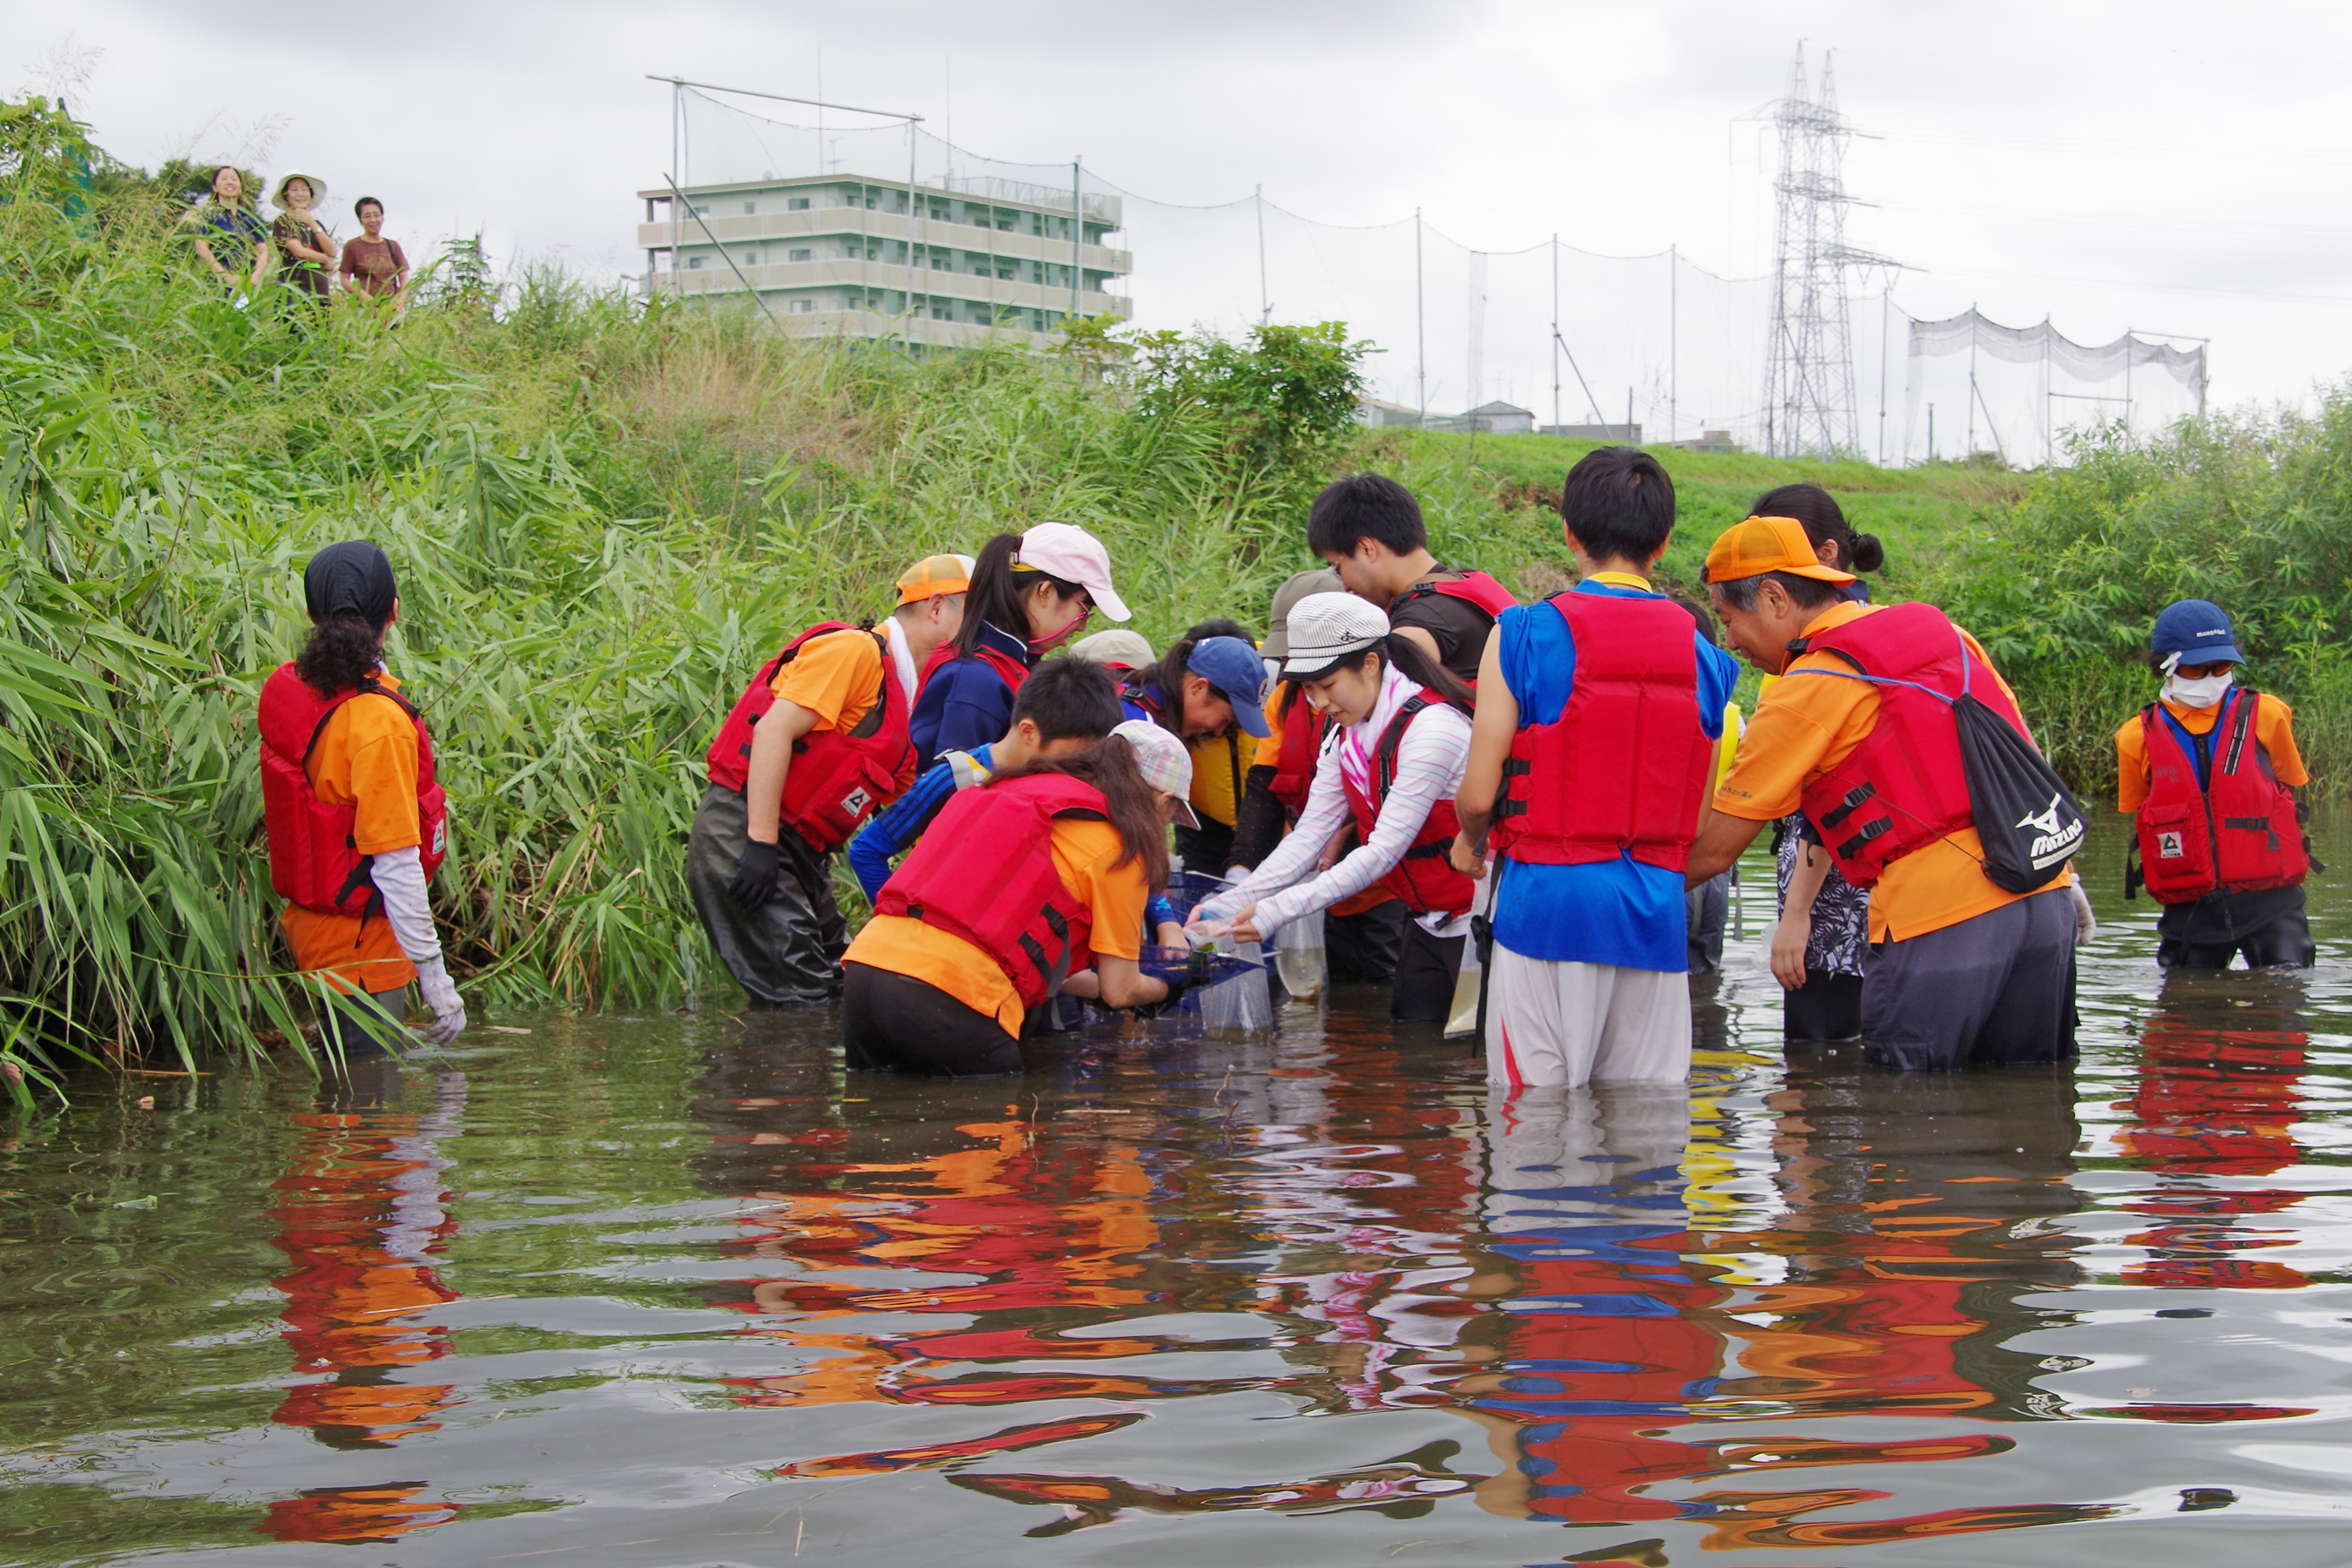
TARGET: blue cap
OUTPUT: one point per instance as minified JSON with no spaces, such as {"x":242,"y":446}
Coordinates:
{"x":2198,"y":630}
{"x":1234,"y":668}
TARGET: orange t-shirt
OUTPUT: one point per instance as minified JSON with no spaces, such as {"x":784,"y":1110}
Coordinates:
{"x":366,"y":758}
{"x":2273,"y":729}
{"x":836,"y":676}
{"x":1801,"y":730}
{"x":1084,"y":853}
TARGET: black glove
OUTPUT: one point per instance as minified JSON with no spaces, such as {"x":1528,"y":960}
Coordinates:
{"x":1176,"y":989}
{"x":754,"y":881}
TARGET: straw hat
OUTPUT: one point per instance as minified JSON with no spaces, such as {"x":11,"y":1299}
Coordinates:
{"x":318,"y":188}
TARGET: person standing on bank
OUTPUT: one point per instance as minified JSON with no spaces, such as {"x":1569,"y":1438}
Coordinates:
{"x":1030,"y":593}
{"x":1822,"y":936}
{"x":1036,"y":879}
{"x":1599,"y":713}
{"x":816,"y":744}
{"x":356,"y":823}
{"x":1392,"y":771}
{"x":2211,"y":769}
{"x":1369,"y":528}
{"x":372,"y":265}
{"x":1861,"y":734}
{"x":306,"y":251}
{"x":228,"y":239}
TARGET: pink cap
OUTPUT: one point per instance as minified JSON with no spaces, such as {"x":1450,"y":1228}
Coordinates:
{"x":1066,"y":551}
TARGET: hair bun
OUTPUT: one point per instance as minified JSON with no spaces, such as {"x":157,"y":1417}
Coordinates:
{"x":1867,"y":554}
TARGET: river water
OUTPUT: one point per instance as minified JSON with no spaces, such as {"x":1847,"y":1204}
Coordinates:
{"x":675,"y":1290}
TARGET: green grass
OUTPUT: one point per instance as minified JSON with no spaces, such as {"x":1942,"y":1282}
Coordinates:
{"x":605,"y":515}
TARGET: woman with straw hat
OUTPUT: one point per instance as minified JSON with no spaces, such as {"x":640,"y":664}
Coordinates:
{"x":306,"y":251}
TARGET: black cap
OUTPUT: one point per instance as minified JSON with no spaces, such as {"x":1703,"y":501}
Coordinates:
{"x":353,"y":578}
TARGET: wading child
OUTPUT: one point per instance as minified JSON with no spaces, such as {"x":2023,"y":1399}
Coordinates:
{"x":817,"y":742}
{"x":1030,"y":593}
{"x":356,"y":823}
{"x":1037,"y":878}
{"x":1369,"y":528}
{"x":1392,"y":771}
{"x":1209,"y":684}
{"x":1066,"y":706}
{"x":1862,"y":734}
{"x":1598,"y":712}
{"x":1360,"y":934}
{"x":2212,"y":769}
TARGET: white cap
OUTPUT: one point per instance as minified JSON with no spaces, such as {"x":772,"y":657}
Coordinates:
{"x":1066,"y":551}
{"x":1164,"y":762}
{"x":1325,"y":629}
{"x":1117,"y":645}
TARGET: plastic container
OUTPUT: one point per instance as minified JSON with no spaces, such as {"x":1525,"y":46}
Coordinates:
{"x":1299,"y":960}
{"x":1244,"y":1002}
{"x":1462,"y":1018}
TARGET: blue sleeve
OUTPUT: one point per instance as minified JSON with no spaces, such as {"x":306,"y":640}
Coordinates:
{"x":1157,"y":913}
{"x":1718,"y":673}
{"x":1538,"y":660}
{"x":896,"y":825}
{"x":1131,"y":709}
{"x":965,"y":704}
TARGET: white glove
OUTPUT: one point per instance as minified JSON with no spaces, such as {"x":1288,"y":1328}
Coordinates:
{"x":440,"y":994}
{"x":2086,"y":925}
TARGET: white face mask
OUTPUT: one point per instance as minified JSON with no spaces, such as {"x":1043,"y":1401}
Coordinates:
{"x":2202,"y":692}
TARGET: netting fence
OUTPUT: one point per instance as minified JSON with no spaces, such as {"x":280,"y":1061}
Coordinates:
{"x":1575,"y":337}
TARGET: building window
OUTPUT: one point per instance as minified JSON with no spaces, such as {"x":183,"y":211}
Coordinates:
{"x":797,"y":204}
{"x":750,"y":207}
{"x":1004,"y":272}
{"x":702,"y":212}
{"x":693,"y":263}
{"x":803,"y":307}
{"x":796,"y":256}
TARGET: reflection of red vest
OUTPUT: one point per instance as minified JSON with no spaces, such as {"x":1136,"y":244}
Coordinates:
{"x":2237,"y":831}
{"x":1904,"y":785}
{"x":313,"y":861}
{"x":1623,"y":770}
{"x":1425,"y":879}
{"x":1304,"y":727}
{"x":837,"y":778}
{"x":984,"y":871}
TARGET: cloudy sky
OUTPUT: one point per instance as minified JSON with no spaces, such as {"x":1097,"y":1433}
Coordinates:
{"x":2163,"y":166}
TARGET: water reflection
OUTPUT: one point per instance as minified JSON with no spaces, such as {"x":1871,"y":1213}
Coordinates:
{"x":359,"y":1214}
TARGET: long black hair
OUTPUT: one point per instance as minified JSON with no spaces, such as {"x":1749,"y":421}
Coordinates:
{"x":1129,"y":802}
{"x":1824,"y":523}
{"x":998,"y":595}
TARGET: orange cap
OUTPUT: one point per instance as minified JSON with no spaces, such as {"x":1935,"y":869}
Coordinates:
{"x":1760,"y":544}
{"x":935,"y":574}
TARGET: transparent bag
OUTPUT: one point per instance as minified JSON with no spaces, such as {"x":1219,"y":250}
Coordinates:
{"x":1300,"y":959}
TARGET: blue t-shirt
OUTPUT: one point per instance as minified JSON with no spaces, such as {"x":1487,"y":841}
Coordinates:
{"x":1619,"y":911}
{"x":965,"y":703}
{"x":900,"y":823}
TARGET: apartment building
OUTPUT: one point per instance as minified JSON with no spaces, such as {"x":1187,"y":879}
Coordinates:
{"x":830,"y":256}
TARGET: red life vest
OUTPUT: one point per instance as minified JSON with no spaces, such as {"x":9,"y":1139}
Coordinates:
{"x":1624,"y":768}
{"x":2235,"y":832}
{"x":1013,"y":670}
{"x":1904,"y":785}
{"x":838,"y":778}
{"x":313,"y":860}
{"x":1425,"y":879}
{"x":1304,"y":727}
{"x":984,"y":871}
{"x":1473,"y":587}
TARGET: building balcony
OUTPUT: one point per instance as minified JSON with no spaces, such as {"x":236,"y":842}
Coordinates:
{"x":876,"y":227}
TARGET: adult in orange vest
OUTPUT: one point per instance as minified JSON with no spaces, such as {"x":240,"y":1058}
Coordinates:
{"x":816,"y":744}
{"x":1862,"y":735}
{"x":1368,"y":529}
{"x":2211,"y":769}
{"x":356,"y":823}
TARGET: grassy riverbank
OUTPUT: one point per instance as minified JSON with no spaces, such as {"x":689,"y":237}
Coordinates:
{"x":605,"y":516}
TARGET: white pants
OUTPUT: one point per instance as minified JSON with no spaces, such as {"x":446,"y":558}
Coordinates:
{"x":1567,"y":1022}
